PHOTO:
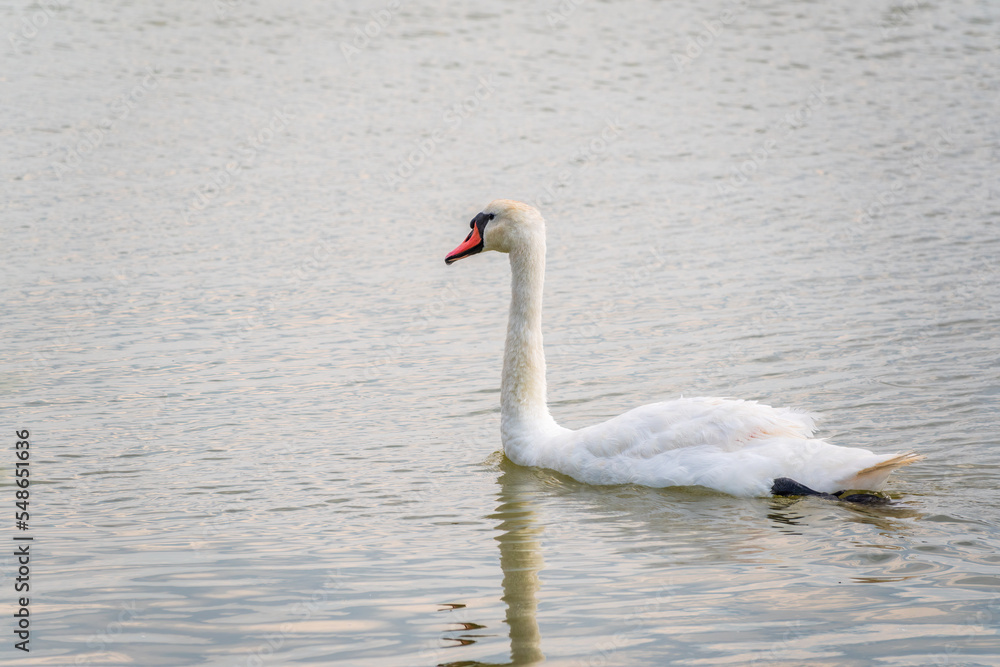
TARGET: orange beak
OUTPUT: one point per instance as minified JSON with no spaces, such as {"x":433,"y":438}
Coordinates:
{"x":472,"y":244}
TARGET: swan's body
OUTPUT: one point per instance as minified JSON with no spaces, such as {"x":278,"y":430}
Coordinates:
{"x":738,"y":447}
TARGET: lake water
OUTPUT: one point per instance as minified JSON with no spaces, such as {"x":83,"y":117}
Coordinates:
{"x":263,"y":413}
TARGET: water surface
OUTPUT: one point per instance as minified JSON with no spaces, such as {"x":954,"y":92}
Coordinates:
{"x":264,"y":413}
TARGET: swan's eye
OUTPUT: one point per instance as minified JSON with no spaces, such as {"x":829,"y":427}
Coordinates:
{"x":481,"y":219}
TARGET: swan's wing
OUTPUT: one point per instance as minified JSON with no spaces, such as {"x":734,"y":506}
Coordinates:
{"x":738,"y":447}
{"x":687,"y":441}
{"x":725,"y":424}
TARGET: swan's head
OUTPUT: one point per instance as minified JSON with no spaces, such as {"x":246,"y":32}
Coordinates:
{"x":504,"y":225}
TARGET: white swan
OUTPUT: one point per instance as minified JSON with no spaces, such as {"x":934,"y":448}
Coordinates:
{"x":738,"y":447}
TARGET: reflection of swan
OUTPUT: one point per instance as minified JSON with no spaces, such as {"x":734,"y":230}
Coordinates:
{"x":520,"y":560}
{"x":787,"y":515}
{"x":633,"y":520}
{"x":739,"y":447}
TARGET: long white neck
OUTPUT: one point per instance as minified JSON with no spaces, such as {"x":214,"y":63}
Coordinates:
{"x":524,"y":415}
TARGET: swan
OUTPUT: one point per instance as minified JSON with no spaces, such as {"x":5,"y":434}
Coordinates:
{"x":738,"y":447}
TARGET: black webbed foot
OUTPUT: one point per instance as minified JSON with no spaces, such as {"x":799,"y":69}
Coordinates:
{"x":785,"y":486}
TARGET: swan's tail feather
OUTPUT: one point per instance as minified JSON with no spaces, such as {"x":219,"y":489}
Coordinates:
{"x":873,"y":477}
